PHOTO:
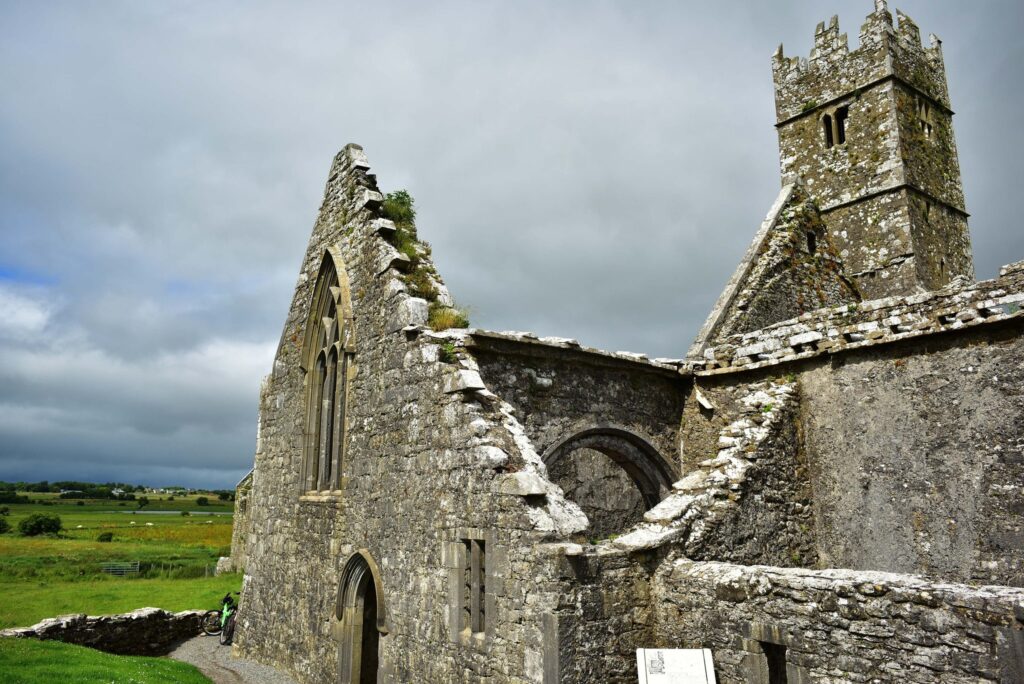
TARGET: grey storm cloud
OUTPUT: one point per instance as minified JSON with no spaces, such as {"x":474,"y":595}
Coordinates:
{"x":585,"y":169}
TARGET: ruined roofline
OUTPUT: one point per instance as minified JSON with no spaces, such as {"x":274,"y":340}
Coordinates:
{"x":527,"y":343}
{"x":725,"y":300}
{"x":871,"y":323}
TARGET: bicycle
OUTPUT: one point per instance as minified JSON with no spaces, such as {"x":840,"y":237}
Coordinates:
{"x":221,"y":622}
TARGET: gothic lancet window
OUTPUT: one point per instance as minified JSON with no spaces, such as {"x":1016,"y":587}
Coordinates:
{"x":327,"y":353}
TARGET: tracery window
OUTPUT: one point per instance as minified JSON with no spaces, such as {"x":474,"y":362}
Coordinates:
{"x":327,"y":361}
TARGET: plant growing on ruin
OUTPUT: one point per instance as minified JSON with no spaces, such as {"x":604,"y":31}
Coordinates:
{"x":421,"y":284}
{"x":442,"y":317}
{"x":399,"y":207}
{"x":447,"y":354}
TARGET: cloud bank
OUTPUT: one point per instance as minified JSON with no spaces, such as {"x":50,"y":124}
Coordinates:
{"x":587,"y":169}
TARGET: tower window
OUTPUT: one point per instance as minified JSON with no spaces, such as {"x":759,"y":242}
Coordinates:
{"x":834,"y":126}
{"x":842,"y":114}
{"x":812,"y":242}
{"x":924,"y":116}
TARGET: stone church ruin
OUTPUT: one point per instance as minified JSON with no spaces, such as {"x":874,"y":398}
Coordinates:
{"x":826,"y":489}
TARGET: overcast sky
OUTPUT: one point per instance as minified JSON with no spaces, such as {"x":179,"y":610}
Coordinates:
{"x":585,"y":169}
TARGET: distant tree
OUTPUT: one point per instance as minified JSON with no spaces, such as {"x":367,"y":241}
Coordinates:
{"x":202,"y":501}
{"x":5,"y":510}
{"x":186,"y":513}
{"x":142,"y":502}
{"x":105,"y":537}
{"x":170,"y":498}
{"x":39,"y":523}
{"x":79,"y":503}
{"x":4,"y":526}
{"x":224,"y":496}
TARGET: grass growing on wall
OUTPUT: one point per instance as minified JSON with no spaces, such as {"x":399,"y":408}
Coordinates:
{"x":27,"y":661}
{"x":421,"y":277}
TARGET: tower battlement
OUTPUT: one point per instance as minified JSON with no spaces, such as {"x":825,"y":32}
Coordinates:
{"x":888,"y":50}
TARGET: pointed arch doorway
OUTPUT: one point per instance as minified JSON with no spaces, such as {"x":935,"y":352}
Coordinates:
{"x":360,"y":611}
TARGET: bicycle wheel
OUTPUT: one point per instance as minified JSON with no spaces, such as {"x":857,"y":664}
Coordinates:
{"x":229,"y":631}
{"x":210,"y":622}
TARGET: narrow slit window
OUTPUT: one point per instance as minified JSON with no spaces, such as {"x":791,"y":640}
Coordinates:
{"x":826,"y":124}
{"x":842,"y":114}
{"x":924,"y":117}
{"x":474,"y":612}
{"x":812,"y":242}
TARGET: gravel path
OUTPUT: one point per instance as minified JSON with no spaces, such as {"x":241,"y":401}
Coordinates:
{"x":215,"y":661}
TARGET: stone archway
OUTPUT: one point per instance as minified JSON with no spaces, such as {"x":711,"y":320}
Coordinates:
{"x":361,"y":614}
{"x":613,"y":474}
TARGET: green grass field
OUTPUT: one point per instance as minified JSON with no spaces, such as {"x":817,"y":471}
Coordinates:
{"x":47,"y":576}
{"x":26,"y":661}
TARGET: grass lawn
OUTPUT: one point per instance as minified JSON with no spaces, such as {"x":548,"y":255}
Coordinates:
{"x":26,"y":603}
{"x":47,"y":576}
{"x":27,"y":661}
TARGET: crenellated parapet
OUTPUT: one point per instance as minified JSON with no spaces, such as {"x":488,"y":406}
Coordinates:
{"x":887,"y":50}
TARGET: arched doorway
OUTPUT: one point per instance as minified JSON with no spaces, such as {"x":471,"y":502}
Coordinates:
{"x":360,"y":610}
{"x":613,"y":474}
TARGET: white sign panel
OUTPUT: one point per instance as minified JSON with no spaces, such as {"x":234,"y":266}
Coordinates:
{"x":675,"y":666}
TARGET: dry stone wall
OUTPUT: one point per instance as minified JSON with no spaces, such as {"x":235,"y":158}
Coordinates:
{"x":146,"y":631}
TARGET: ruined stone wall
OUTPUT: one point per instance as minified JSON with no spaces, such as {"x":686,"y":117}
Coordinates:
{"x":559,"y":391}
{"x":917,"y":457}
{"x":796,"y":270}
{"x":432,"y":458}
{"x":837,"y":625}
{"x":605,"y":613}
{"x":911,"y":417}
{"x":605,"y":492}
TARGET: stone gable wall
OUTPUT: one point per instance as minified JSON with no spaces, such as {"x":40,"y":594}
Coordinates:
{"x":432,"y":457}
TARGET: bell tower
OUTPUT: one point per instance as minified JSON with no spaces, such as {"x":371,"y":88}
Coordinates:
{"x":870,"y":135}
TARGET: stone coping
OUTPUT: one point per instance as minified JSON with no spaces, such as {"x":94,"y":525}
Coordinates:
{"x":528,"y":340}
{"x":870,"y":323}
